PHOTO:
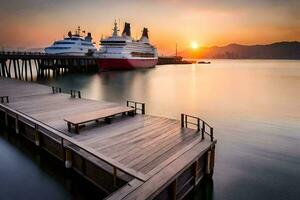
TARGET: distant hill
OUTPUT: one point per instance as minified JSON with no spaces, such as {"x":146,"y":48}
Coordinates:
{"x":279,"y":50}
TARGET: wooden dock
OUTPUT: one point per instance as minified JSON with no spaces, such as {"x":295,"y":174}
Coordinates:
{"x":25,"y":65}
{"x":140,"y":157}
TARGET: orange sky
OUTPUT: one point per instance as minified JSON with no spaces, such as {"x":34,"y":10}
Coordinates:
{"x":37,"y":23}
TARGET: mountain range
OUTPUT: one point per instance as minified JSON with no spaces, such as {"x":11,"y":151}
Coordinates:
{"x":278,"y":50}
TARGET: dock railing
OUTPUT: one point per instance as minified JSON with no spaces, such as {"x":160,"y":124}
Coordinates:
{"x":138,"y":106}
{"x":201,"y":126}
{"x":4,"y":99}
{"x":64,"y":140}
{"x":56,"y":90}
{"x":75,"y":93}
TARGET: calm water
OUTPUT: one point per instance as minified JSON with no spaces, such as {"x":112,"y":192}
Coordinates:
{"x":254,"y":106}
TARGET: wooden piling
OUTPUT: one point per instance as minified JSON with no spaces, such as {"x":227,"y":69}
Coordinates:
{"x":174,"y":190}
{"x":6,"y":119}
{"x":36,"y":136}
{"x":68,"y":158}
{"x":17,"y":125}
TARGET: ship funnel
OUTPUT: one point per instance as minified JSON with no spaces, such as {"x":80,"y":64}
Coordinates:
{"x":145,"y":33}
{"x":70,"y":34}
{"x":126,"y":31}
{"x":145,"y":37}
{"x":88,"y":37}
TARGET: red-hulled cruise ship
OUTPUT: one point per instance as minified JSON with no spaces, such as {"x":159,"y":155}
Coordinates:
{"x":123,"y":53}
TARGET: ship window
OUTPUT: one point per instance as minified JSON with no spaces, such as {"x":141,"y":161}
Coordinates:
{"x":59,"y":48}
{"x":112,"y":42}
{"x":64,"y":42}
{"x":86,"y":44}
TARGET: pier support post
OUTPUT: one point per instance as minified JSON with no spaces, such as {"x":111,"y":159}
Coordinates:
{"x":115,"y":176}
{"x":17,"y":124}
{"x":210,"y":162}
{"x":196,"y":168}
{"x":6,"y":119}
{"x":36,"y":136}
{"x":174,"y":189}
{"x":68,"y":161}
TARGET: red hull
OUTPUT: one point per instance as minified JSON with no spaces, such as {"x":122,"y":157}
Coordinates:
{"x":125,"y":64}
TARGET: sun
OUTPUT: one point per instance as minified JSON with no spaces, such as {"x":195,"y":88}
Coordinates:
{"x":194,"y":45}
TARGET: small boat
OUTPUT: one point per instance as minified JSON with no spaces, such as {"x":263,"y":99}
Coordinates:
{"x":122,"y":52}
{"x":203,"y":62}
{"x":74,"y":44}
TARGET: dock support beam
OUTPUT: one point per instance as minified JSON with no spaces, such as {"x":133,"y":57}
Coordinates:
{"x":17,"y":125}
{"x":174,"y":190}
{"x":210,"y":162}
{"x":68,"y":161}
{"x":115,"y":177}
{"x":6,"y":119}
{"x":36,"y":136}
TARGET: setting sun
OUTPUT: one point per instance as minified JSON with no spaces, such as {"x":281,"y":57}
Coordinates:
{"x":194,"y":45}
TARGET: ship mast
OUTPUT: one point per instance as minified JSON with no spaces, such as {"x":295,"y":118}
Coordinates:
{"x":78,"y":31}
{"x":115,"y":30}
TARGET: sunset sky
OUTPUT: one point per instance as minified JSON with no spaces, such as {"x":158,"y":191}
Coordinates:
{"x":37,"y":23}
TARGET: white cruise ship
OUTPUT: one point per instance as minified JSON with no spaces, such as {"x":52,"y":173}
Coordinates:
{"x":74,"y":44}
{"x":122,"y":52}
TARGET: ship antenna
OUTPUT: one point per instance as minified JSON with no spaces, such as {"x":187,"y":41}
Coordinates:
{"x":78,"y":31}
{"x":115,"y":30}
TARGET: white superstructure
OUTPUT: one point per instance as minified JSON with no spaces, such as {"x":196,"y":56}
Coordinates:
{"x":74,"y":44}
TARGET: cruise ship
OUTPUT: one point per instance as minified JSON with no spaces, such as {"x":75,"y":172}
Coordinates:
{"x":122,"y":52}
{"x":74,"y":44}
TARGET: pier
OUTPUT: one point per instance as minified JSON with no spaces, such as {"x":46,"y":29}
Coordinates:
{"x":129,"y":156}
{"x":23,"y":65}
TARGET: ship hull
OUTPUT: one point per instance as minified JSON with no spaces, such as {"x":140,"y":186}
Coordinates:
{"x":125,"y":64}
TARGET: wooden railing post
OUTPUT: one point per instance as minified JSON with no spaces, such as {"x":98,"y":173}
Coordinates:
{"x":182,"y":120}
{"x":198,"y":124}
{"x":203,"y":130}
{"x":211,"y":134}
{"x":143,"y":109}
{"x":79,"y":95}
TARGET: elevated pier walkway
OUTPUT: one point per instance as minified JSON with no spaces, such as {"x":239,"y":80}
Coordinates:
{"x":136,"y":157}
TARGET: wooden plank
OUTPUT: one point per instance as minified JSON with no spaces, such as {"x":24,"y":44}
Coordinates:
{"x":129,"y":135}
{"x":128,"y":188}
{"x":104,"y":158}
{"x":86,"y":117}
{"x":144,"y":159}
{"x":137,"y":149}
{"x":166,"y":175}
{"x":141,"y":136}
{"x":148,"y":148}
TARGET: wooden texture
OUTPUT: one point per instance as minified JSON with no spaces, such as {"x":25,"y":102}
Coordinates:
{"x":100,"y":114}
{"x":145,"y":147}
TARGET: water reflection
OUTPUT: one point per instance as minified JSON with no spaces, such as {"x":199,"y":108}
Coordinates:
{"x":28,"y":173}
